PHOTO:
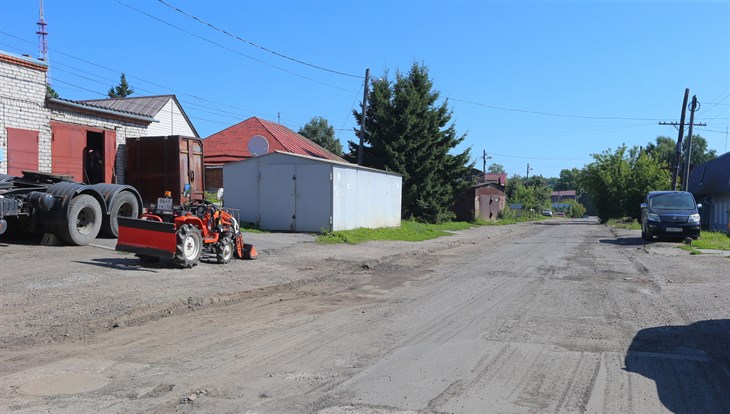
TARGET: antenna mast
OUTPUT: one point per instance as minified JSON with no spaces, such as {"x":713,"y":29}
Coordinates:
{"x":42,"y":33}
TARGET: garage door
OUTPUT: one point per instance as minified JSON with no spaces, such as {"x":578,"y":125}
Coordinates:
{"x":22,"y":151}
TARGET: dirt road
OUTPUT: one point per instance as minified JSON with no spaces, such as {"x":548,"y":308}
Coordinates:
{"x":556,"y":316}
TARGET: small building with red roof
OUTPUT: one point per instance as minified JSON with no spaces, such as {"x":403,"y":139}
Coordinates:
{"x":232,"y":144}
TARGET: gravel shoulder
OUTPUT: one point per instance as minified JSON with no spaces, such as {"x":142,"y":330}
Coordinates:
{"x":68,"y":293}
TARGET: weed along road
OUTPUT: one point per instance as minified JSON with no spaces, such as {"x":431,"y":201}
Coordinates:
{"x":557,"y":316}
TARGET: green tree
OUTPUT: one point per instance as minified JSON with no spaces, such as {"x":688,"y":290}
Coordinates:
{"x":700,"y":154}
{"x":533,"y":193}
{"x":662,"y":150}
{"x":319,"y":131}
{"x":50,"y":92}
{"x":617,"y":181}
{"x":122,"y":90}
{"x":496,"y":169}
{"x":408,"y":132}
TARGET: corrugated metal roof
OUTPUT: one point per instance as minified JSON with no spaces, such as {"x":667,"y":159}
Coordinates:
{"x":231,"y":144}
{"x":101,"y":109}
{"x":143,"y":105}
{"x":712,"y":177}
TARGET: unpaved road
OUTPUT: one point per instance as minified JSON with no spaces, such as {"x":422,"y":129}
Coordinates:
{"x":556,"y":316}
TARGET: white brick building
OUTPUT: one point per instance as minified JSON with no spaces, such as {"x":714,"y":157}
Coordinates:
{"x":40,"y":133}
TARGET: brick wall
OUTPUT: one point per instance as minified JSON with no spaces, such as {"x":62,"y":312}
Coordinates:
{"x":22,"y":105}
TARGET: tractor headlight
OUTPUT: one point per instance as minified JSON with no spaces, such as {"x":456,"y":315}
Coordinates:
{"x":653,"y":217}
{"x":694,"y":218}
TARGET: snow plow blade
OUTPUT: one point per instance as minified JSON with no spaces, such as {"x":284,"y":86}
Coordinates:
{"x":146,"y":237}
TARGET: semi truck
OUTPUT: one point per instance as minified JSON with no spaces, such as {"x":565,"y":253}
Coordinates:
{"x":60,"y":208}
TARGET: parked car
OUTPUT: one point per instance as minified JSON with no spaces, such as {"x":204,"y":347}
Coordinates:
{"x":670,"y":214}
{"x":547,"y":212}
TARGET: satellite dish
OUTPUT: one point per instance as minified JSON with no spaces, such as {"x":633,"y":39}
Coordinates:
{"x":258,"y":145}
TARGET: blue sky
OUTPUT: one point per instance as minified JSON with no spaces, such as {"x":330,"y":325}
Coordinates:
{"x":541,"y":82}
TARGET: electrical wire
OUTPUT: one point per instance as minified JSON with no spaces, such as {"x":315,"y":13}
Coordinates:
{"x":501,"y":108}
{"x":254,"y":44}
{"x":228,"y":48}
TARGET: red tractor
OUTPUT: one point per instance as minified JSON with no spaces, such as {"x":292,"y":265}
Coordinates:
{"x":183,"y":233}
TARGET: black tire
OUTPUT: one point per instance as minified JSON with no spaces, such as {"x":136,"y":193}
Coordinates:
{"x":189,"y":246}
{"x":83,"y":221}
{"x":224,"y":250}
{"x":124,"y":205}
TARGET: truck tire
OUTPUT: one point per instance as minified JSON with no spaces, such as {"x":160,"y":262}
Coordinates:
{"x":224,"y":250}
{"x":189,"y":246}
{"x":83,"y":221}
{"x":124,"y":205}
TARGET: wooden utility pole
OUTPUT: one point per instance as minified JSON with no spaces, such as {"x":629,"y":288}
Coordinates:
{"x":528,"y":171}
{"x":687,"y":164}
{"x":362,"y":118}
{"x":678,"y":150}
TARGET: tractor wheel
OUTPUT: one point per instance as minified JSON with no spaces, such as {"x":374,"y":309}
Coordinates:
{"x":224,"y":250}
{"x":83,"y":221}
{"x":189,"y":246}
{"x":124,"y":205}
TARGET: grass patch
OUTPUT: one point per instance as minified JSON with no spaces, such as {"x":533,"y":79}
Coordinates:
{"x":625,"y":223}
{"x":690,"y":249}
{"x":714,"y":240}
{"x":409,"y":230}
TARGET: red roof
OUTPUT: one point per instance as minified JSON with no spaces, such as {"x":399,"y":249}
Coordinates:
{"x":500,"y":179}
{"x":231,"y":144}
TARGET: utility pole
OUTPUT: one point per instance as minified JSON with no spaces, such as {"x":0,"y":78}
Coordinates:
{"x":678,"y":150}
{"x":528,"y":171}
{"x":362,"y":118}
{"x":677,"y":159}
{"x":693,"y":107}
{"x":485,"y":157}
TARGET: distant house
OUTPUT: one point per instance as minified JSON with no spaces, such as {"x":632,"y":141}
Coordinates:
{"x":169,"y":116}
{"x":232,"y":144}
{"x":710,"y":184}
{"x":558,"y":198}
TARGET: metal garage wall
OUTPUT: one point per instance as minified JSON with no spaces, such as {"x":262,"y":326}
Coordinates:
{"x":241,"y":189}
{"x":719,"y":212}
{"x":288,"y":192}
{"x":313,"y":201}
{"x":365,"y":198}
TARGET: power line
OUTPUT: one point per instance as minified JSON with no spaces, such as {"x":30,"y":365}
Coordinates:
{"x":501,"y":108}
{"x":539,"y":158}
{"x":256,"y":45}
{"x":228,"y":48}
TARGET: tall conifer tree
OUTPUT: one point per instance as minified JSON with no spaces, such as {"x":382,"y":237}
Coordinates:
{"x":408,"y":132}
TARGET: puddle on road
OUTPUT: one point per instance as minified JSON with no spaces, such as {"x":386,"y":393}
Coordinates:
{"x":62,"y":384}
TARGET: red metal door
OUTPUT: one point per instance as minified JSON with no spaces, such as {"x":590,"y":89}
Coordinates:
{"x":67,"y":150}
{"x":22,"y":151}
{"x":110,"y":155}
{"x":196,"y":166}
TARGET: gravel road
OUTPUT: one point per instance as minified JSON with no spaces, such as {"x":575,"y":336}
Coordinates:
{"x":555,"y":316}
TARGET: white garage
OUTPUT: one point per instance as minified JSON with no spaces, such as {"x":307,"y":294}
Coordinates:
{"x":281,"y":191}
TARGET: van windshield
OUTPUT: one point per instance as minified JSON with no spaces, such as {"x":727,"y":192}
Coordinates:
{"x":681,"y":201}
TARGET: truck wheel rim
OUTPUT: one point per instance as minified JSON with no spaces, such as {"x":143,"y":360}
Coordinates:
{"x":190,"y":247}
{"x":85,"y":220}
